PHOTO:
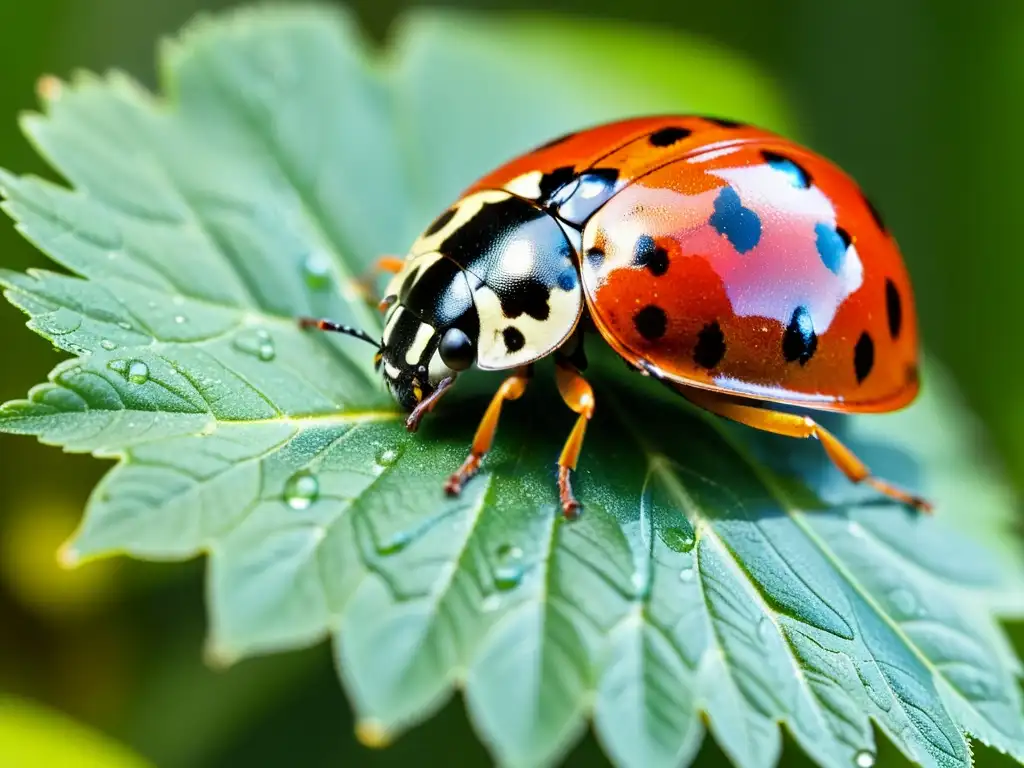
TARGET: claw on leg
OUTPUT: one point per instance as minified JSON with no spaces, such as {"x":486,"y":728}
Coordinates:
{"x":578,"y":395}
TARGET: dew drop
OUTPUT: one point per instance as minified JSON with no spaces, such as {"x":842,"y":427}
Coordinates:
{"x":764,"y":628}
{"x":687,"y":574}
{"x":386,"y":458}
{"x":509,"y":571}
{"x":301,"y":490}
{"x":180,"y":319}
{"x":904,"y":603}
{"x":317,"y":270}
{"x":124,"y":325}
{"x":108,"y":345}
{"x":864,"y":759}
{"x":395,"y":544}
{"x":257,"y":343}
{"x":118,"y":366}
{"x":62,"y":322}
{"x":678,"y":539}
{"x":138,"y":372}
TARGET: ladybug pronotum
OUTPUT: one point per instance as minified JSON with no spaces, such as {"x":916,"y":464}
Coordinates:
{"x":731,"y":264}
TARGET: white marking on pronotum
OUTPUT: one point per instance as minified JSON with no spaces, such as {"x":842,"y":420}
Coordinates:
{"x":419,"y":343}
{"x":526,"y":185}
{"x":390,"y":325}
{"x":391,"y":371}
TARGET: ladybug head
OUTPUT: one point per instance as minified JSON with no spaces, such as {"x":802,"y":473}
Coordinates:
{"x":415,"y":357}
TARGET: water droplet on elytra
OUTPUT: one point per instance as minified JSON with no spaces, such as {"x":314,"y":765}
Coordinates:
{"x":864,"y":759}
{"x":317,"y":270}
{"x":687,"y":574}
{"x":301,"y":490}
{"x":108,"y":345}
{"x":138,"y":372}
{"x":508,"y":572}
{"x":678,"y":539}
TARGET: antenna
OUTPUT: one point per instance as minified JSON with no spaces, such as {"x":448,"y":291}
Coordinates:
{"x":329,"y":325}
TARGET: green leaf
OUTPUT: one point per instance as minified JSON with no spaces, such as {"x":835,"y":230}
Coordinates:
{"x":714,"y":571}
{"x":31,"y":734}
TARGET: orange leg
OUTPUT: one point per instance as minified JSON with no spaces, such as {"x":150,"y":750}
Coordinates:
{"x":794,"y":425}
{"x":511,"y":389}
{"x":391,"y":265}
{"x":578,"y":395}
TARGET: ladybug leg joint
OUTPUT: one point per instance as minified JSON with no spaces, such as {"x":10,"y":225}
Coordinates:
{"x":511,"y":389}
{"x":579,"y":396}
{"x":425,"y":406}
{"x":795,"y":425}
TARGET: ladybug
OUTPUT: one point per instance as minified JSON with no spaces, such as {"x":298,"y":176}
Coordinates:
{"x":733,"y":265}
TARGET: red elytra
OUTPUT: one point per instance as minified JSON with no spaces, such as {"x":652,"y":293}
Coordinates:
{"x":852,"y":330}
{"x":730,"y":263}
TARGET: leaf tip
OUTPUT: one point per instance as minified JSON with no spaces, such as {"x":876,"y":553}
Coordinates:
{"x":49,"y":88}
{"x":68,"y":556}
{"x":372,"y":733}
{"x":219,"y":657}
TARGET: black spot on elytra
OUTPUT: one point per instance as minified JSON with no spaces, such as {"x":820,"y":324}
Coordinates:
{"x":875,"y":214}
{"x":513,"y":338}
{"x":893,"y":308}
{"x":529,"y":295}
{"x":710,"y":347}
{"x":799,"y":175}
{"x":440,"y":222}
{"x":722,"y":122}
{"x":863,"y":357}
{"x":651,"y":322}
{"x":666,"y":137}
{"x":647,"y":254}
{"x":595,"y":257}
{"x":554,"y":180}
{"x":555,"y":141}
{"x":799,"y":342}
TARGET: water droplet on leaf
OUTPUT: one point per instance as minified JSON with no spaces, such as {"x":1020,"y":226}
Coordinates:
{"x":179,"y":319}
{"x":687,"y":574}
{"x":301,"y":490}
{"x":138,"y":372}
{"x":317,"y":270}
{"x":395,"y":544}
{"x":61,"y":322}
{"x":904,"y":603}
{"x":764,"y":628}
{"x":108,"y":345}
{"x":257,"y":343}
{"x":124,"y":325}
{"x":864,"y":759}
{"x":508,"y":572}
{"x":678,"y":539}
{"x":387,"y":457}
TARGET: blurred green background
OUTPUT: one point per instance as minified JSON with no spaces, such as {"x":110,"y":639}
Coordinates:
{"x":919,"y":99}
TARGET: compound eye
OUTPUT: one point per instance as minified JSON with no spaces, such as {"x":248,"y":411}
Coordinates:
{"x":456,"y":350}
